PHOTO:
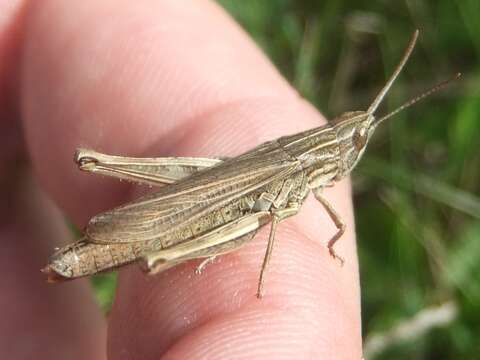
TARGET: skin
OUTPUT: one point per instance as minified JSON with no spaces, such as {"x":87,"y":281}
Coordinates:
{"x":154,"y":78}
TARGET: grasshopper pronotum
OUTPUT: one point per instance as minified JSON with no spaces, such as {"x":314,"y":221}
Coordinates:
{"x":207,"y":207}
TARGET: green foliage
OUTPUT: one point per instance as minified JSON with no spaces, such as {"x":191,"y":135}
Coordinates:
{"x":104,"y":286}
{"x":417,"y":189}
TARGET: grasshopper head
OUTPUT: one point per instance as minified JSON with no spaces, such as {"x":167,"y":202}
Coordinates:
{"x":354,"y":129}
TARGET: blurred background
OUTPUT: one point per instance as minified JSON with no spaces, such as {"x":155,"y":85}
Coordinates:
{"x":417,"y":189}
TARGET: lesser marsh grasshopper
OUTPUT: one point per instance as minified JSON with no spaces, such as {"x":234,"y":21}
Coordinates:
{"x":207,"y":207}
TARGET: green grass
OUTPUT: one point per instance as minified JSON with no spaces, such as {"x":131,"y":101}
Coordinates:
{"x":416,"y":191}
{"x":104,"y":286}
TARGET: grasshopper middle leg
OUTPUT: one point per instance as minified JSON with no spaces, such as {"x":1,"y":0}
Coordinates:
{"x":278,"y":216}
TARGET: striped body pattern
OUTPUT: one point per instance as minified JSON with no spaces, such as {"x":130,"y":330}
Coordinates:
{"x":206,"y":207}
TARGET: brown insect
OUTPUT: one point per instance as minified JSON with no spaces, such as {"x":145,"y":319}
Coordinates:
{"x":208,"y":207}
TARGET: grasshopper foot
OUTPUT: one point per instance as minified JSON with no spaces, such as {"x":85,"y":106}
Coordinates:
{"x":336,"y":256}
{"x":204,"y":263}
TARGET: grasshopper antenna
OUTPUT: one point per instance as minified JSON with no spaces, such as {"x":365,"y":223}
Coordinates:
{"x":397,"y":71}
{"x":433,"y":89}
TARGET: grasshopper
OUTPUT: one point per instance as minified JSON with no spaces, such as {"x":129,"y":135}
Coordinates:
{"x":208,"y":207}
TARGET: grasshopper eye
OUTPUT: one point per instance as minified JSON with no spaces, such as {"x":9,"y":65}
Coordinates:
{"x":359,"y":139}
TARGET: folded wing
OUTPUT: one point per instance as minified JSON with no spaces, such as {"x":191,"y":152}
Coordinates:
{"x":178,"y":204}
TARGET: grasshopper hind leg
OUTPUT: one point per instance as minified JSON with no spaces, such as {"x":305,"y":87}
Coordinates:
{"x":208,"y":254}
{"x":218,"y":241}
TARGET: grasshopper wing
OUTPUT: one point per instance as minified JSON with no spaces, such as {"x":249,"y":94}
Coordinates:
{"x":154,"y":216}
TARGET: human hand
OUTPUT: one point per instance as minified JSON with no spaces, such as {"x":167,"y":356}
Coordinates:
{"x":155,"y":79}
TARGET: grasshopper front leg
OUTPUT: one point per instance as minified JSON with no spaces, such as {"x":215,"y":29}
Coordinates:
{"x":337,"y":220}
